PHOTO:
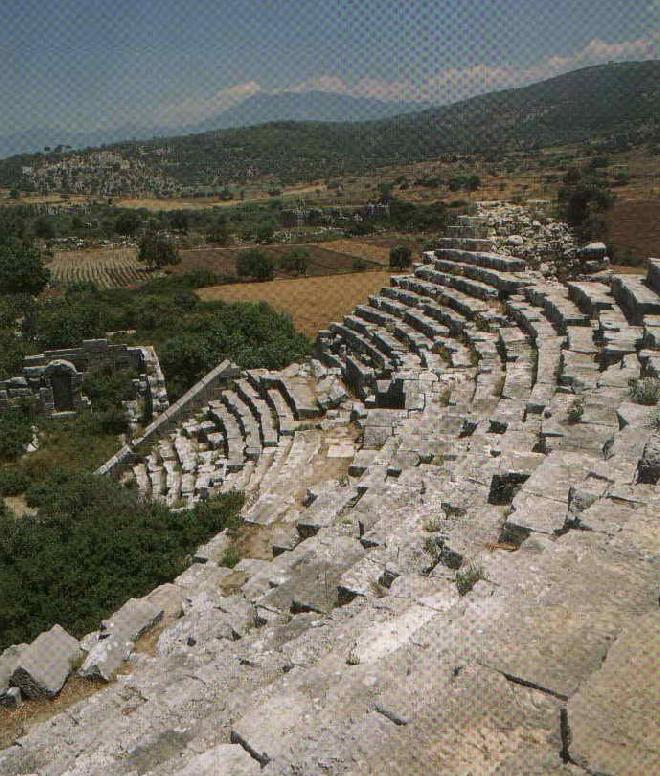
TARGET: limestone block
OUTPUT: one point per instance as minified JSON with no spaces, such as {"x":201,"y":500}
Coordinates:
{"x":44,"y":666}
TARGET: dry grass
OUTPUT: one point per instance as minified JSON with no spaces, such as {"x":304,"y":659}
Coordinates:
{"x":634,"y":227}
{"x":313,"y":303}
{"x":14,"y":723}
{"x":106,"y":267}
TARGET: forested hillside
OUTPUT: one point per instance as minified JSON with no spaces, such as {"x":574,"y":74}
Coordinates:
{"x":619,"y":103}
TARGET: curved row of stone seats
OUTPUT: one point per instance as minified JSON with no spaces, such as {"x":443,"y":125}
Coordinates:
{"x":471,"y":288}
{"x":555,"y":301}
{"x":503,"y":281}
{"x":409,"y":584}
{"x":636,"y":296}
{"x":480,"y":258}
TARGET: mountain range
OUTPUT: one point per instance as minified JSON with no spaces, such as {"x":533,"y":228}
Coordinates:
{"x":259,"y":108}
{"x":617,"y":99}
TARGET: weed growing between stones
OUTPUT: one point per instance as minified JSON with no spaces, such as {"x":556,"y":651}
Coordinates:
{"x":576,"y":410}
{"x":468,"y":578}
{"x":645,"y":390}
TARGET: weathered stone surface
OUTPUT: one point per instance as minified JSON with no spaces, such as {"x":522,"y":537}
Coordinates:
{"x":222,"y":760}
{"x":134,"y":618}
{"x":612,"y":719}
{"x":649,"y":464}
{"x":44,"y":666}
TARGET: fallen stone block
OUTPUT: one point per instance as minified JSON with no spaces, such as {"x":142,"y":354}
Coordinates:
{"x":45,"y":665}
{"x":134,"y":618}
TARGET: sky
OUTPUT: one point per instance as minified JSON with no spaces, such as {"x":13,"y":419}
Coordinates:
{"x":100,"y":64}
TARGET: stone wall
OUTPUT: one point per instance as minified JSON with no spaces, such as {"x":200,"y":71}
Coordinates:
{"x":191,"y":400}
{"x":52,"y":381}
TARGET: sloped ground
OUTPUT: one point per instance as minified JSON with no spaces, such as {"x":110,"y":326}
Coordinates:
{"x":472,"y":589}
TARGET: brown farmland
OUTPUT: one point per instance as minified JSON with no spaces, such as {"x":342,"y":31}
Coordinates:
{"x":312,"y":302}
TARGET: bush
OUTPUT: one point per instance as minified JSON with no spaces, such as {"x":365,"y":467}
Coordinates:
{"x":157,"y":251}
{"x":15,"y":433}
{"x":400,"y":256}
{"x":576,"y":411}
{"x":255,"y":264}
{"x":296,"y":260}
{"x":13,"y":481}
{"x":92,"y":545}
{"x":22,"y":270}
{"x":645,"y":390}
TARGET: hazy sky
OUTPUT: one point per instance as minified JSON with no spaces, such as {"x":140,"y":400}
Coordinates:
{"x":92,"y":64}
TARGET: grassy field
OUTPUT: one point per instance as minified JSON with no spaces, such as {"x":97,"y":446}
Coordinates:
{"x":106,"y":267}
{"x":313,"y":302}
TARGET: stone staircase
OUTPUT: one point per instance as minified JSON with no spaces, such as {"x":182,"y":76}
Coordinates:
{"x":473,"y":589}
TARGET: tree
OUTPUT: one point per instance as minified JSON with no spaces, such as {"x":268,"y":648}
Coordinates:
{"x":400,"y":256}
{"x":157,"y":251}
{"x":296,"y":260}
{"x":44,"y":229}
{"x":265,"y":232}
{"x":583,"y":204}
{"x":255,"y":264}
{"x":127,"y":224}
{"x":219,"y":232}
{"x":22,"y":270}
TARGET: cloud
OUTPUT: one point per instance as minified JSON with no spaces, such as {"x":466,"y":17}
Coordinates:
{"x":447,"y":85}
{"x":455,"y":83}
{"x":193,"y":109}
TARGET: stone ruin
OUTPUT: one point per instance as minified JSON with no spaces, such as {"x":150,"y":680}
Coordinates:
{"x":52,"y":382}
{"x":456,"y":506}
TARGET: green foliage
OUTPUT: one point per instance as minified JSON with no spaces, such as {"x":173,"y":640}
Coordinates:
{"x":296,"y":260}
{"x":157,"y":251}
{"x":91,"y":546}
{"x":400,"y":256}
{"x":255,"y":264}
{"x":13,"y":480}
{"x":265,"y":232}
{"x":576,"y":410}
{"x":645,"y":390}
{"x":128,"y":223}
{"x":468,"y":577}
{"x":582,"y":202}
{"x":230,"y":558}
{"x":251,"y":334}
{"x":15,"y":433}
{"x":22,"y":270}
{"x":218,"y":232}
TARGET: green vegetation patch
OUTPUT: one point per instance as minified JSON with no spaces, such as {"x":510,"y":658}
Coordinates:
{"x":92,"y":545}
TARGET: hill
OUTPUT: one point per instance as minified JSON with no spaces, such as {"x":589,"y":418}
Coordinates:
{"x":305,"y":106}
{"x":620,"y":101}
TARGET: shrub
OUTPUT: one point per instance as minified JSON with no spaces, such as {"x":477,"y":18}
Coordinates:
{"x":13,"y":481}
{"x":400,"y":256}
{"x":645,"y":390}
{"x":576,"y":410}
{"x":296,"y":260}
{"x":15,"y":433}
{"x":359,"y":265}
{"x":255,"y":264}
{"x":92,"y":545}
{"x":157,"y":251}
{"x":655,"y":420}
{"x":22,"y":270}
